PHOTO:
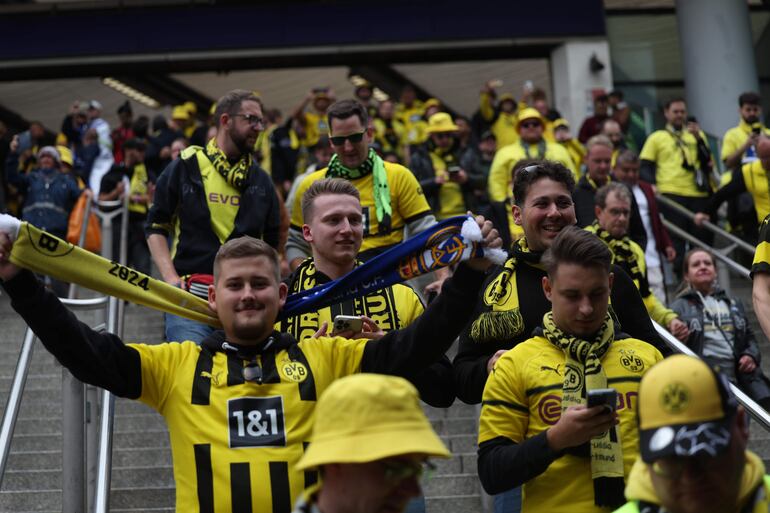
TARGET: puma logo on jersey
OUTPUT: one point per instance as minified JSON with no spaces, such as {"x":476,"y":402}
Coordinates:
{"x":213,"y":377}
{"x":547,"y":368}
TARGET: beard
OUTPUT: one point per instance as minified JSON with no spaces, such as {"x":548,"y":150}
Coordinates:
{"x":751,"y":120}
{"x":241,"y":142}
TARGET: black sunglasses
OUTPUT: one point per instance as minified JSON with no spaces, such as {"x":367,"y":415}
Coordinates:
{"x":339,"y":140}
{"x":531,"y":124}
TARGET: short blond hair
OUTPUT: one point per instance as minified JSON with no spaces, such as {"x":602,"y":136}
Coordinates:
{"x":246,"y":246}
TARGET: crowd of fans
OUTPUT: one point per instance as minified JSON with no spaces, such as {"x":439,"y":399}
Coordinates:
{"x":338,"y":182}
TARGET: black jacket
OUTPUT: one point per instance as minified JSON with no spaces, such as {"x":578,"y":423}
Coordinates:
{"x":422,"y":166}
{"x":180,"y":195}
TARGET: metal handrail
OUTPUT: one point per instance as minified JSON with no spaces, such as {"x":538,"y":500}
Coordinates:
{"x":707,"y":224}
{"x":756,"y":411}
{"x":101,"y":493}
{"x":11,"y":412}
{"x":736,"y":267}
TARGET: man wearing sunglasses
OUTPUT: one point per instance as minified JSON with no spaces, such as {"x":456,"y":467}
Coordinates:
{"x":371,"y":442}
{"x":393,"y":201}
{"x":206,"y":197}
{"x":531,"y":145}
{"x":693,"y":437}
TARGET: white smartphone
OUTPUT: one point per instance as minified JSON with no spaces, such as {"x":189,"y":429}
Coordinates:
{"x":348,"y":323}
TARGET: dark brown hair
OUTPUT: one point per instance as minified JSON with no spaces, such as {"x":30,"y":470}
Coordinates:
{"x":574,"y":245}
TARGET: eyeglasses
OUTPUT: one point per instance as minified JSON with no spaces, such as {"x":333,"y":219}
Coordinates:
{"x":442,"y":135}
{"x":339,"y":140}
{"x":530,"y":124}
{"x":617,"y":212}
{"x":251,"y":119}
{"x":399,"y":470}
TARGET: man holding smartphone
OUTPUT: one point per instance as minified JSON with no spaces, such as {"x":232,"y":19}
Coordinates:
{"x":535,"y":427}
{"x":449,"y":189}
{"x":333,"y":227}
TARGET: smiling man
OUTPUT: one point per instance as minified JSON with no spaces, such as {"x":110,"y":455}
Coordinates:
{"x":512,"y":304}
{"x":334,"y":229}
{"x":209,"y":196}
{"x":535,"y":427}
{"x":239,"y":407}
{"x":391,"y":197}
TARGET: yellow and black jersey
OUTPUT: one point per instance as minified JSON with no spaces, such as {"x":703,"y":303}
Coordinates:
{"x":522,"y":399}
{"x":250,"y":435}
{"x":408,"y":204}
{"x":392,"y":308}
{"x":198,"y":210}
{"x":761,"y":263}
{"x":315,"y":126}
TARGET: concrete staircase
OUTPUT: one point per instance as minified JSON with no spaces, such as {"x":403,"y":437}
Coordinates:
{"x":142,"y":479}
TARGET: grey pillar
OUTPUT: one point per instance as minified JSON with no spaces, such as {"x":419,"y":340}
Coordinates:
{"x":717,"y":59}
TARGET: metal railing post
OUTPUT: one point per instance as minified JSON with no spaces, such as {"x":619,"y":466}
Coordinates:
{"x":708,"y":224}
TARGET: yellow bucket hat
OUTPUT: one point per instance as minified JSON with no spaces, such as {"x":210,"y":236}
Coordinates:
{"x":180,"y":112}
{"x":369,"y":417}
{"x":529,"y":113}
{"x":441,"y":122}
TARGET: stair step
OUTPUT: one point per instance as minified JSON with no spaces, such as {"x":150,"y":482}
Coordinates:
{"x":453,"y":504}
{"x":451,"y":484}
{"x":122,"y":477}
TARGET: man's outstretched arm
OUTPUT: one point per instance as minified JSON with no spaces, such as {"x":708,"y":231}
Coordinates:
{"x":100,"y":359}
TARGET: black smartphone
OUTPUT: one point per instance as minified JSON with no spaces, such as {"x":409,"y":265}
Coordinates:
{"x":607,"y":397}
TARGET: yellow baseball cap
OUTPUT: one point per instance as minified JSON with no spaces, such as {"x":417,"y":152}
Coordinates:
{"x":685,"y":409}
{"x":441,"y":122}
{"x":369,"y":417}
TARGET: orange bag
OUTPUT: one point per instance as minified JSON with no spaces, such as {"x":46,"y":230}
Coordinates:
{"x":93,"y":240}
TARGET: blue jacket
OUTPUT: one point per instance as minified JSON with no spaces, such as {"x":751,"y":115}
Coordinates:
{"x":49,"y":196}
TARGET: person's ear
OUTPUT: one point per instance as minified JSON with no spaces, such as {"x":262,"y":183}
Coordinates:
{"x":307,"y":234}
{"x":283,"y":291}
{"x":547,"y":287}
{"x":213,"y":297}
{"x":516,"y":210}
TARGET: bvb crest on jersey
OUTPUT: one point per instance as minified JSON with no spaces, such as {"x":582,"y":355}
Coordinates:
{"x":444,"y":248}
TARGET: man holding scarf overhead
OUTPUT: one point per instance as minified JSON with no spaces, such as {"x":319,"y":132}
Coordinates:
{"x":391,"y":197}
{"x":239,"y":407}
{"x":535,"y":426}
{"x":209,"y":196}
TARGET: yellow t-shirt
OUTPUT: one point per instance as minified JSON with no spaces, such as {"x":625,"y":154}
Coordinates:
{"x":761,"y":263}
{"x":757,"y":181}
{"x":407,"y":201}
{"x":735,"y":137}
{"x":450,"y":195}
{"x":663,"y":148}
{"x":500,"y":173}
{"x":522,"y":398}
{"x":315,"y":126}
{"x":390,"y":139}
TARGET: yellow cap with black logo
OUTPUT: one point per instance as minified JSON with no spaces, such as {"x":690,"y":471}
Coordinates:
{"x":685,"y":409}
{"x":369,"y":417}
